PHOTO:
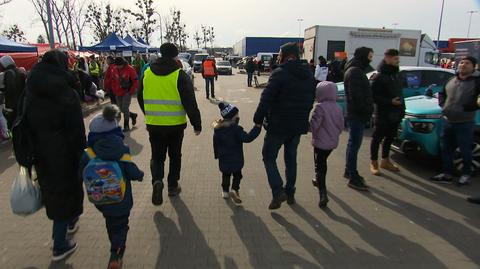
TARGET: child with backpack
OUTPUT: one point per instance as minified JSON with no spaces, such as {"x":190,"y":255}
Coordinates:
{"x":107,"y":170}
{"x":326,"y":126}
{"x":228,"y":139}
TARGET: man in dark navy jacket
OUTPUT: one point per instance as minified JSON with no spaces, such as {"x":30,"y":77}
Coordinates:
{"x":284,"y":110}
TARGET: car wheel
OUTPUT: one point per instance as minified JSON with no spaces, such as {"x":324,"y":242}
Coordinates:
{"x":458,"y":160}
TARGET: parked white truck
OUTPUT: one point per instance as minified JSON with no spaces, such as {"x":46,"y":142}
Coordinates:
{"x":415,"y":49}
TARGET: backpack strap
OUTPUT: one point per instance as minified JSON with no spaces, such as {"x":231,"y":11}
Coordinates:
{"x":90,"y":153}
{"x":126,"y":158}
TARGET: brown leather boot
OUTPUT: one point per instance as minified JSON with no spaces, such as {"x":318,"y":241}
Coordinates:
{"x":374,"y":168}
{"x":388,"y":165}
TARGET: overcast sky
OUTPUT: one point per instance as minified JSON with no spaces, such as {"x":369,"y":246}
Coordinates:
{"x":234,"y":20}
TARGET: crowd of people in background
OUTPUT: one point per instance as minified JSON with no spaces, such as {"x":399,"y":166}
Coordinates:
{"x":52,"y":111}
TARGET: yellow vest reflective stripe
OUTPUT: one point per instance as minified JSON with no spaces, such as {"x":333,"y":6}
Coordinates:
{"x":161,"y":99}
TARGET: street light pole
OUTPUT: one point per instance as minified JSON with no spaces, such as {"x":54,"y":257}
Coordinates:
{"x":299,"y":30}
{"x":470,"y":22}
{"x":51,"y":40}
{"x":440,"y":25}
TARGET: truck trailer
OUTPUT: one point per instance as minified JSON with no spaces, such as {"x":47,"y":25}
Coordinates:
{"x":251,"y":46}
{"x":415,"y":49}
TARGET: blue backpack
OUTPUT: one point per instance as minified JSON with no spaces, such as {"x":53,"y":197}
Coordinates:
{"x":104,"y":180}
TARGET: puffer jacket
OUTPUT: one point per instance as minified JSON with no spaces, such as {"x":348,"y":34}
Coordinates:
{"x":358,"y":93}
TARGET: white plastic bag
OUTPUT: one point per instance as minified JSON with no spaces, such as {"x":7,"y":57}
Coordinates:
{"x":100,"y":94}
{"x":25,"y":195}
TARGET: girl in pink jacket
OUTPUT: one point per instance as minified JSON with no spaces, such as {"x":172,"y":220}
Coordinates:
{"x":326,"y":126}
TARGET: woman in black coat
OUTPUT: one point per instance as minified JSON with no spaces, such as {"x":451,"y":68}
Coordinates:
{"x":55,"y":117}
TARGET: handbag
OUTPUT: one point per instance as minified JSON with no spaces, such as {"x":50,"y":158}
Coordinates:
{"x":25,"y":195}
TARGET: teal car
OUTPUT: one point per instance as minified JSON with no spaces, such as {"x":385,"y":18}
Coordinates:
{"x":415,"y":80}
{"x":421,"y":128}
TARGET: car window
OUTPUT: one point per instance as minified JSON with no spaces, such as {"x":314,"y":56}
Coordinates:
{"x":438,"y":78}
{"x":411,"y":79}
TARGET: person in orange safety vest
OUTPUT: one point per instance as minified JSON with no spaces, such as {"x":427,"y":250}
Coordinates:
{"x":210,"y":74}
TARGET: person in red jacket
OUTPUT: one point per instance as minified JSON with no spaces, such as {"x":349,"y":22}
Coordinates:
{"x":108,"y":80}
{"x":210,"y":74}
{"x":124,"y":86}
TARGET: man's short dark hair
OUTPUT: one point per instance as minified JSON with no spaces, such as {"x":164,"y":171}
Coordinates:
{"x":120,"y":61}
{"x":392,"y":52}
{"x":290,"y":49}
{"x":471,"y":59}
{"x":169,"y":50}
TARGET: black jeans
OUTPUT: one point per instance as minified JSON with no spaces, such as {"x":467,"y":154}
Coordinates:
{"x":321,"y":157}
{"x":271,"y":147}
{"x":249,"y":79}
{"x":386,"y":132}
{"x":163,"y":141}
{"x":237,"y":177}
{"x":117,"y":229}
{"x":210,"y":85}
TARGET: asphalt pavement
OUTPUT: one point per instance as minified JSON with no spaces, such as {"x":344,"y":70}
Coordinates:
{"x":405,"y":221}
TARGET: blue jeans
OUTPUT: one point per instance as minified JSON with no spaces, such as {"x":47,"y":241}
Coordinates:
{"x":210,"y":85}
{"x":60,"y":234}
{"x":457,"y":135}
{"x":271,"y":147}
{"x":356,"y":128}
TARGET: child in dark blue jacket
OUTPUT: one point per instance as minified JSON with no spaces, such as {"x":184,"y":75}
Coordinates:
{"x":228,"y":139}
{"x":105,"y":142}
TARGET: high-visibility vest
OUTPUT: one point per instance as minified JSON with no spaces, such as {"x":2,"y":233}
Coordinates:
{"x":162,"y":102}
{"x":208,"y":68}
{"x":94,"y":68}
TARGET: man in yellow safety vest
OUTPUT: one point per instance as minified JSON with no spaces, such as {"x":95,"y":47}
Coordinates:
{"x":166,"y":97}
{"x":94,"y":70}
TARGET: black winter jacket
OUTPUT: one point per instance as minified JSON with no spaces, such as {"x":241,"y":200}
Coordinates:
{"x":385,"y":87}
{"x":58,"y":132}
{"x":166,"y":66}
{"x":358,"y":93}
{"x":228,"y":139}
{"x":287,"y":100}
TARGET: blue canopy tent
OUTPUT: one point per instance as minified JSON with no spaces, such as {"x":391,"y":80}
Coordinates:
{"x":10,"y":46}
{"x":140,"y":40}
{"x":137,"y":46}
{"x":111,"y":43}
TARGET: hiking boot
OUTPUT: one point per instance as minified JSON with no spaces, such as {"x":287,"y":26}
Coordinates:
{"x":277,"y":201}
{"x":357,"y":184}
{"x":442,"y":178}
{"x":323,"y":199}
{"x":236,"y":197}
{"x":116,"y":260}
{"x":374,"y":168}
{"x":225,"y":195}
{"x":134,"y":118}
{"x":73,"y":226}
{"x":388,"y":165}
{"x":475,"y":200}
{"x":61,"y":254}
{"x":157,"y":198}
{"x":464,"y":180}
{"x":172,"y":192}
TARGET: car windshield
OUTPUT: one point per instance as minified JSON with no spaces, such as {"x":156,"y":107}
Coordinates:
{"x":223,"y":63}
{"x":184,"y":55}
{"x":201,"y":57}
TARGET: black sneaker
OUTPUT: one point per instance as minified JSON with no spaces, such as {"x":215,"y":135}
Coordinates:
{"x":357,"y":184}
{"x":134,"y":119}
{"x":314,"y":182}
{"x":277,"y":201}
{"x":475,"y":200}
{"x":175,"y":191}
{"x":61,"y":254}
{"x":73,"y":226}
{"x":442,"y":178}
{"x":291,"y":199}
{"x":323,"y":199}
{"x":157,"y":196}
